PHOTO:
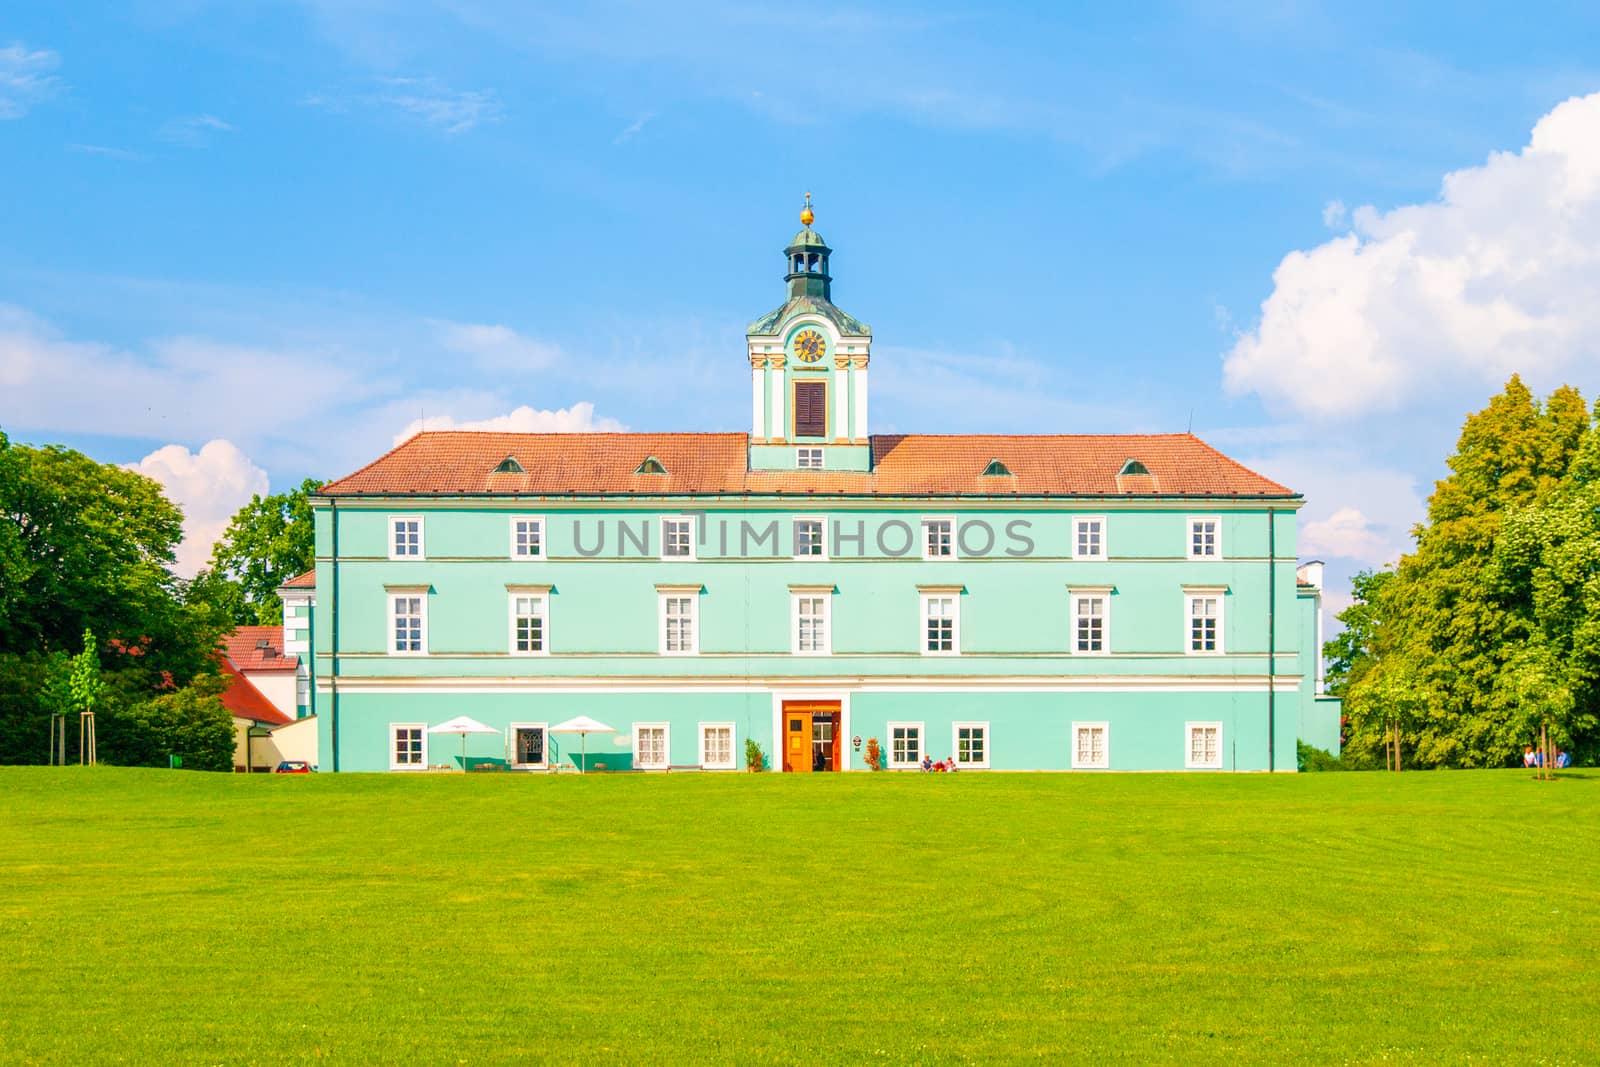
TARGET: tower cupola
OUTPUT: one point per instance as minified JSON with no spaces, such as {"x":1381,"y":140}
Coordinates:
{"x":808,"y":371}
{"x":808,"y":260}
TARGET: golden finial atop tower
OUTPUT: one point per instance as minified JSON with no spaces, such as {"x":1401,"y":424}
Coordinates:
{"x":806,"y":217}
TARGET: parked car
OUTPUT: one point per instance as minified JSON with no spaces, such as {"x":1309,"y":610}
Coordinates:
{"x":292,"y":766}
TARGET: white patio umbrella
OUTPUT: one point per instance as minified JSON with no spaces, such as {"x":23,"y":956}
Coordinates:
{"x":463,"y":726}
{"x":583,"y":726}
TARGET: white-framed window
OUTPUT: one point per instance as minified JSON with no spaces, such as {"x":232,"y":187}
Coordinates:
{"x":716,"y":746}
{"x":527,"y":744}
{"x":1205,"y":537}
{"x":808,"y":459}
{"x":941,"y":624}
{"x":1205,"y":623}
{"x":530,"y":624}
{"x":812,"y":636}
{"x":527,"y":537}
{"x":1089,"y":537}
{"x":1205,"y":745}
{"x":905,"y":744}
{"x":677,"y":537}
{"x":971,"y":744}
{"x":408,"y":746}
{"x":405,"y":537}
{"x":1091,"y":622}
{"x":1091,"y":745}
{"x":810,"y":541}
{"x":651,"y":748}
{"x":408,"y":624}
{"x":680,"y":624}
{"x":939,"y":538}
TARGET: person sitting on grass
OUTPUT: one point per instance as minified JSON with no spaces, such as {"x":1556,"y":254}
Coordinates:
{"x":1527,"y":757}
{"x":1563,"y":760}
{"x":927,"y":763}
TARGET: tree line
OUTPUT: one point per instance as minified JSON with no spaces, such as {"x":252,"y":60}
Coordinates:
{"x":1485,"y":638}
{"x":86,"y":557}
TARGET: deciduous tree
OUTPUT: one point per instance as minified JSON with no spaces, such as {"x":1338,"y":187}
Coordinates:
{"x":1352,"y":652}
{"x":1547,"y":564}
{"x":90,"y":547}
{"x":270,"y":540}
{"x":15,"y":565}
{"x":1479,"y":623}
{"x":190,"y":722}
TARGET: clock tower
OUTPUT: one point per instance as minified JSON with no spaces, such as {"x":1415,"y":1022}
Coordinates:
{"x":808,"y":370}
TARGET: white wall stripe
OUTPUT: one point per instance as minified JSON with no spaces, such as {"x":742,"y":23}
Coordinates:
{"x":348,"y":685}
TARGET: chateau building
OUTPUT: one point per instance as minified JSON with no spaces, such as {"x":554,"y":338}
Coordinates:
{"x":1016,"y":602}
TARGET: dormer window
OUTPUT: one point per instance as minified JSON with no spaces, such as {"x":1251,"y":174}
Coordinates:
{"x":996,"y":469}
{"x":1133,"y":466}
{"x":651,"y":465}
{"x":509,"y":465}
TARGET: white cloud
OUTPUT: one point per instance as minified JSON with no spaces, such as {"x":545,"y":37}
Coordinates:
{"x":1497,"y":275}
{"x":184,"y":387}
{"x":192,"y":131}
{"x":210,"y":486}
{"x":1356,"y":510}
{"x":1334,"y":601}
{"x":451,"y":110}
{"x":104,"y":150}
{"x":425,"y":100}
{"x":634,"y":129}
{"x":1335,"y":215}
{"x":1223,"y":318}
{"x":1346,"y":533}
{"x":497,"y":347}
{"x":579,"y":418}
{"x":25,"y":78}
{"x":320,"y":395}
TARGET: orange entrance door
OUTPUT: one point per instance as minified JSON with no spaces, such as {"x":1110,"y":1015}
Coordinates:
{"x":811,"y":738}
{"x":797,"y":741}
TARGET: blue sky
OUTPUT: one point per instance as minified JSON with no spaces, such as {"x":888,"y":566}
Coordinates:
{"x":245,"y":243}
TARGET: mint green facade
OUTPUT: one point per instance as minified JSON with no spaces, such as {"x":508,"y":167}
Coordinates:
{"x":1015,"y":669}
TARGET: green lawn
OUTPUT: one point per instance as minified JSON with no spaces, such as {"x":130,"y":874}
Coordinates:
{"x":173,"y":917}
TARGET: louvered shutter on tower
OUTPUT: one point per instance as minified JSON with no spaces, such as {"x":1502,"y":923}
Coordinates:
{"x":811,"y":409}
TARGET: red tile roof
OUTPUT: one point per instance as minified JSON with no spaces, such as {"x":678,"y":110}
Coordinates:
{"x":459,"y":461}
{"x":308,"y":580}
{"x":245,"y":701}
{"x":243,"y":648}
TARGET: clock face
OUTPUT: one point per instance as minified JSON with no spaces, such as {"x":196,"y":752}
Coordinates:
{"x":809,"y":346}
